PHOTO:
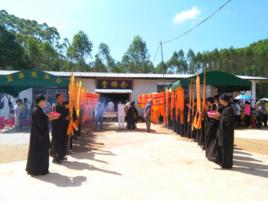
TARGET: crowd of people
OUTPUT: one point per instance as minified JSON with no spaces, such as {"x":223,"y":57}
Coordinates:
{"x":249,"y":116}
{"x":125,"y":112}
{"x":222,"y":115}
{"x":21,"y":113}
{"x":216,"y":136}
{"x":41,"y":146}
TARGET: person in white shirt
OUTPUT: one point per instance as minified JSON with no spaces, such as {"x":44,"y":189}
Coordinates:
{"x":121,"y":114}
{"x":17,"y":115}
{"x":110,"y":107}
{"x":237,"y":113}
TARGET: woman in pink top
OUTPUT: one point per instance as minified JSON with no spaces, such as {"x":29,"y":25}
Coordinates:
{"x":247,"y":113}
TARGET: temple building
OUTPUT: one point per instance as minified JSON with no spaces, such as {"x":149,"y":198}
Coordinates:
{"x":115,"y":87}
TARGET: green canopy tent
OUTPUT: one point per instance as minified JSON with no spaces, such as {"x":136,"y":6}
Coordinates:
{"x":224,"y":82}
{"x":14,"y":83}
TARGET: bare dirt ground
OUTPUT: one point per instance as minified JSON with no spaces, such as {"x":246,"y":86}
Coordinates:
{"x":10,"y":151}
{"x":138,"y":166}
{"x":252,"y":145}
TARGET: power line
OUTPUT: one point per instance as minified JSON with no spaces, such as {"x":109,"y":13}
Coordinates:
{"x":190,"y":30}
{"x":156,"y":52}
{"x":197,"y":25}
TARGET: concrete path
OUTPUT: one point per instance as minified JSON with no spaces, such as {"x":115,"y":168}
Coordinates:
{"x":136,"y":166}
{"x":15,"y":138}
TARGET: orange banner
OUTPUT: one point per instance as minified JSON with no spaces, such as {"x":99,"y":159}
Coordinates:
{"x":198,"y":116}
{"x":172,"y":103}
{"x":158,"y":107}
{"x":180,"y":104}
{"x":167,"y":95}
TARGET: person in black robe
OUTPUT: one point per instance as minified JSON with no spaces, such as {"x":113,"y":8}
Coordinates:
{"x":59,"y":130}
{"x":38,"y":155}
{"x":132,"y":116}
{"x":226,"y":134}
{"x":66,"y":125}
{"x":189,"y":120}
{"x":213,"y":149}
{"x":212,"y":125}
{"x":186,"y":110}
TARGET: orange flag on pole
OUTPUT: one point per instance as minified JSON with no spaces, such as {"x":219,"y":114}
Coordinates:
{"x":190,"y":103}
{"x":198,"y":116}
{"x":204,"y":103}
{"x":172,"y":103}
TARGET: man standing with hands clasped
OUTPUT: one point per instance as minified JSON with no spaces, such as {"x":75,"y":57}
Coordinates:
{"x":147,"y":114}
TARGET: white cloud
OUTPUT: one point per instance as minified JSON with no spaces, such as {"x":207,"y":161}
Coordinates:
{"x":186,"y":15}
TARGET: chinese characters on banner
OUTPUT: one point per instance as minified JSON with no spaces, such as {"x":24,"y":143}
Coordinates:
{"x":114,"y":84}
{"x":32,"y":74}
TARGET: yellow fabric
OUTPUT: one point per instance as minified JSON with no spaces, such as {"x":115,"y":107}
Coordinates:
{"x":172,"y":103}
{"x":190,"y":103}
{"x":193,"y":108}
{"x":204,"y":103}
{"x":198,"y":116}
{"x":180,"y":104}
{"x":71,"y":104}
{"x":158,"y":107}
{"x":167,"y":95}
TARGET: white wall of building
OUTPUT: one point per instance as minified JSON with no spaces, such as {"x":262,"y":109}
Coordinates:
{"x":90,"y":84}
{"x":145,"y":86}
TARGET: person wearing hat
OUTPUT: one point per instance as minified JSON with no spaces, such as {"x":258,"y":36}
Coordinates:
{"x":147,"y":114}
{"x":225,"y":134}
{"x":38,"y":155}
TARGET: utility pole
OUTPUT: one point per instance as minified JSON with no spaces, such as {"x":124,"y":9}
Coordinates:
{"x":162,"y":51}
{"x":161,"y":46}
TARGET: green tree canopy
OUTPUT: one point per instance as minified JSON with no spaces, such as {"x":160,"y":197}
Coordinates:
{"x":81,"y":48}
{"x":136,"y":59}
{"x":106,"y":58}
{"x":11,"y":53}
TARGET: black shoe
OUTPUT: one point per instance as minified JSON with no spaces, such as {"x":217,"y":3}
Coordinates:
{"x":57,"y":161}
{"x":64,"y":159}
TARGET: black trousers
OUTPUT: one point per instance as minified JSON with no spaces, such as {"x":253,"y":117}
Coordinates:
{"x":264,"y":119}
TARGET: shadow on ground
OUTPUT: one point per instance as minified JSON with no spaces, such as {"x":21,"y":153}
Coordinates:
{"x":75,"y":165}
{"x":139,"y":130}
{"x":15,"y":131}
{"x":245,"y":163}
{"x":62,"y":180}
{"x":85,"y":148}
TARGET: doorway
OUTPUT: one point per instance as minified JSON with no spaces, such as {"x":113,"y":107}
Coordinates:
{"x":115,"y":98}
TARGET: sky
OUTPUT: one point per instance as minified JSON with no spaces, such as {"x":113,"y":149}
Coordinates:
{"x":116,"y":22}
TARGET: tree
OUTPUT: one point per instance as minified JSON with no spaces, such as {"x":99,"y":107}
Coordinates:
{"x":99,"y":66}
{"x":105,"y":56}
{"x":161,"y":68}
{"x":49,"y":57}
{"x":137,"y":57}
{"x":173,"y":63}
{"x":24,"y":28}
{"x":177,"y":63}
{"x":190,"y":61}
{"x":80,"y":49}
{"x":33,"y":52}
{"x":11,"y":53}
